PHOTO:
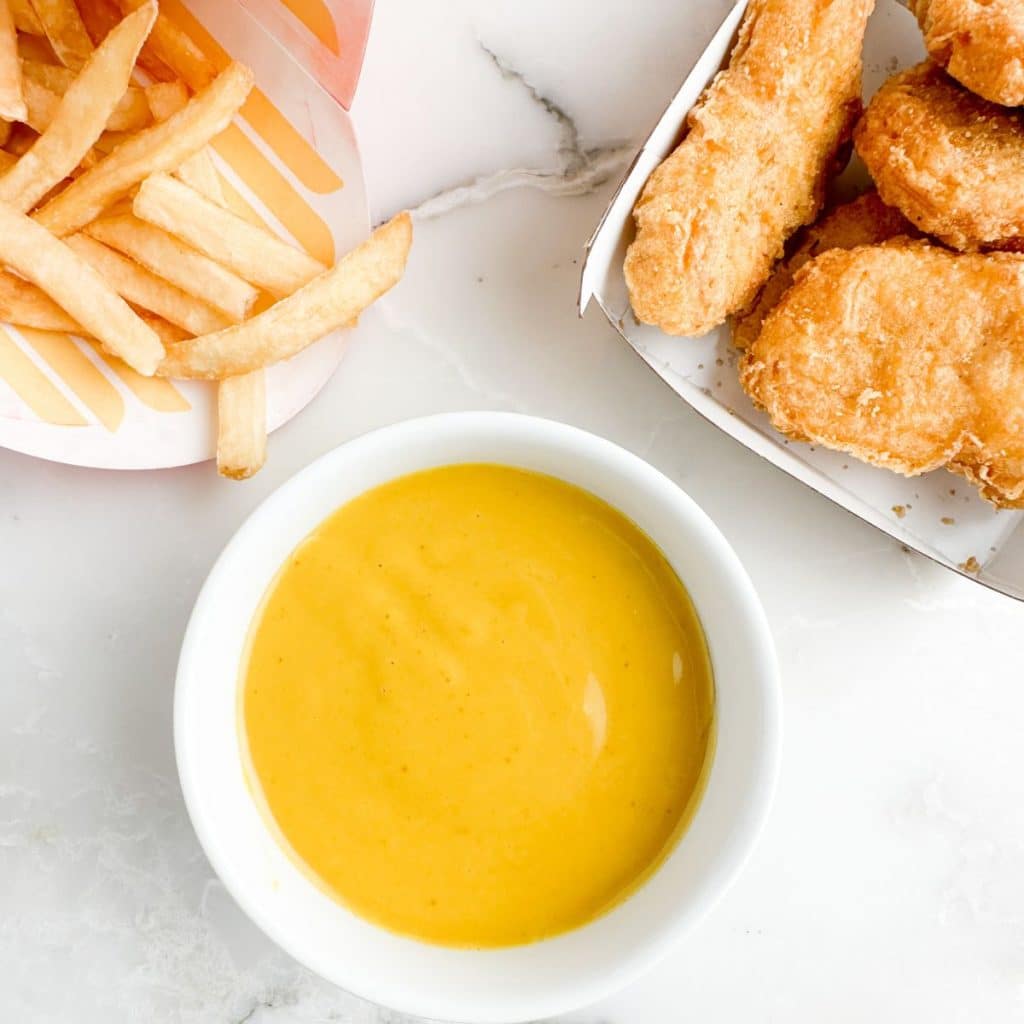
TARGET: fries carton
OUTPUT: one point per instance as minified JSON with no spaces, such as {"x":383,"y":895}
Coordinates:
{"x":939,"y":514}
{"x":289,"y":160}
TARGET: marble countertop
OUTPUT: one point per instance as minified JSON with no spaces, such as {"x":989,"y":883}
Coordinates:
{"x":888,"y":884}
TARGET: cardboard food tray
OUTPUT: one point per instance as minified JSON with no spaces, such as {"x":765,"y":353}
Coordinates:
{"x":289,"y":160}
{"x":938,"y":514}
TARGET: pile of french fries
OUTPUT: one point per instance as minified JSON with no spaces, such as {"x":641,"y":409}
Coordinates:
{"x":113,"y":225}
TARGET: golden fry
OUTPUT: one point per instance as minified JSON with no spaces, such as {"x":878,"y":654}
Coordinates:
{"x":80,"y":117}
{"x":12,"y":101}
{"x":241,"y":425}
{"x":176,"y":48}
{"x":23,"y":304}
{"x":174,"y":261}
{"x":328,"y":302}
{"x":55,"y":77}
{"x":161,"y":147}
{"x":138,"y":286}
{"x":33,"y":252}
{"x":100,"y":17}
{"x":65,"y":30}
{"x":905,"y":355}
{"x":199,"y":170}
{"x":20,"y":139}
{"x":715,"y":215}
{"x":43,"y":104}
{"x":251,"y":252}
{"x":24,"y":16}
{"x":165,"y":99}
{"x":131,"y":113}
{"x":170,"y":334}
{"x":36,"y":48}
{"x":241,"y":401}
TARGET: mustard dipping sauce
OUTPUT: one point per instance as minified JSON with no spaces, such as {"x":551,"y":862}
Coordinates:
{"x":478,"y":706}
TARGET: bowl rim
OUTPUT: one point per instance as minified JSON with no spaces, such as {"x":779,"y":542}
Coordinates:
{"x":558,"y":997}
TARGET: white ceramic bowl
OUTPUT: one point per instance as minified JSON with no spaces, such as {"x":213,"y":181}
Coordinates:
{"x":523,"y":982}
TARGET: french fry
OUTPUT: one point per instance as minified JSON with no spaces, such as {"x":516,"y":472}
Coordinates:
{"x":42,"y":104}
{"x":174,"y":261}
{"x":80,"y":117}
{"x":165,"y":99}
{"x":241,"y":401}
{"x":131,"y":113}
{"x":100,"y":16}
{"x":6,"y":160}
{"x":170,"y":334}
{"x":20,"y":139}
{"x":63,"y":27}
{"x":108,"y":142}
{"x":25,"y":305}
{"x":12,"y":102}
{"x":55,"y":77}
{"x":174,"y":47}
{"x":290,"y":325}
{"x":22,"y":303}
{"x":138,"y":286}
{"x":254,"y":254}
{"x":25,"y":19}
{"x":161,"y":147}
{"x":241,"y":425}
{"x":36,"y":48}
{"x":199,"y":171}
{"x":30,"y":250}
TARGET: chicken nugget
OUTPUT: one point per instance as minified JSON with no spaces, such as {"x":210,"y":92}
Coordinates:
{"x":979,"y":42}
{"x":907,"y":356}
{"x":864,"y":221}
{"x":714,"y":216}
{"x":951,"y":162}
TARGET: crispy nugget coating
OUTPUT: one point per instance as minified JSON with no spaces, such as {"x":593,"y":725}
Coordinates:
{"x":979,"y":42}
{"x":952,"y":162}
{"x":865,"y":220}
{"x":715,"y":215}
{"x":905,"y":355}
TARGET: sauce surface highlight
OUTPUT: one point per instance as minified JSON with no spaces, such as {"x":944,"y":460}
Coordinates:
{"x":478,"y":706}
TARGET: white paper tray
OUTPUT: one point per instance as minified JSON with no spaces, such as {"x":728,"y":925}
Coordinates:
{"x":938,"y":514}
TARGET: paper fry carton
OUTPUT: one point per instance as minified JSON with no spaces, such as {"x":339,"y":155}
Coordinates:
{"x":289,"y":161}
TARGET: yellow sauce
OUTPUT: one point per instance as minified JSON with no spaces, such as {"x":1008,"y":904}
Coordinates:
{"x":478,"y":706}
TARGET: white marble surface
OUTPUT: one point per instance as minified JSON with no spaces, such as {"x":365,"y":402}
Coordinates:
{"x":889,"y":883}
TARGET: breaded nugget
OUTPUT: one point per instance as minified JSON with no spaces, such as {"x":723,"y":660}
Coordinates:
{"x":715,"y":215}
{"x":864,"y":221}
{"x":979,"y":42}
{"x":951,"y":162}
{"x":905,"y":355}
